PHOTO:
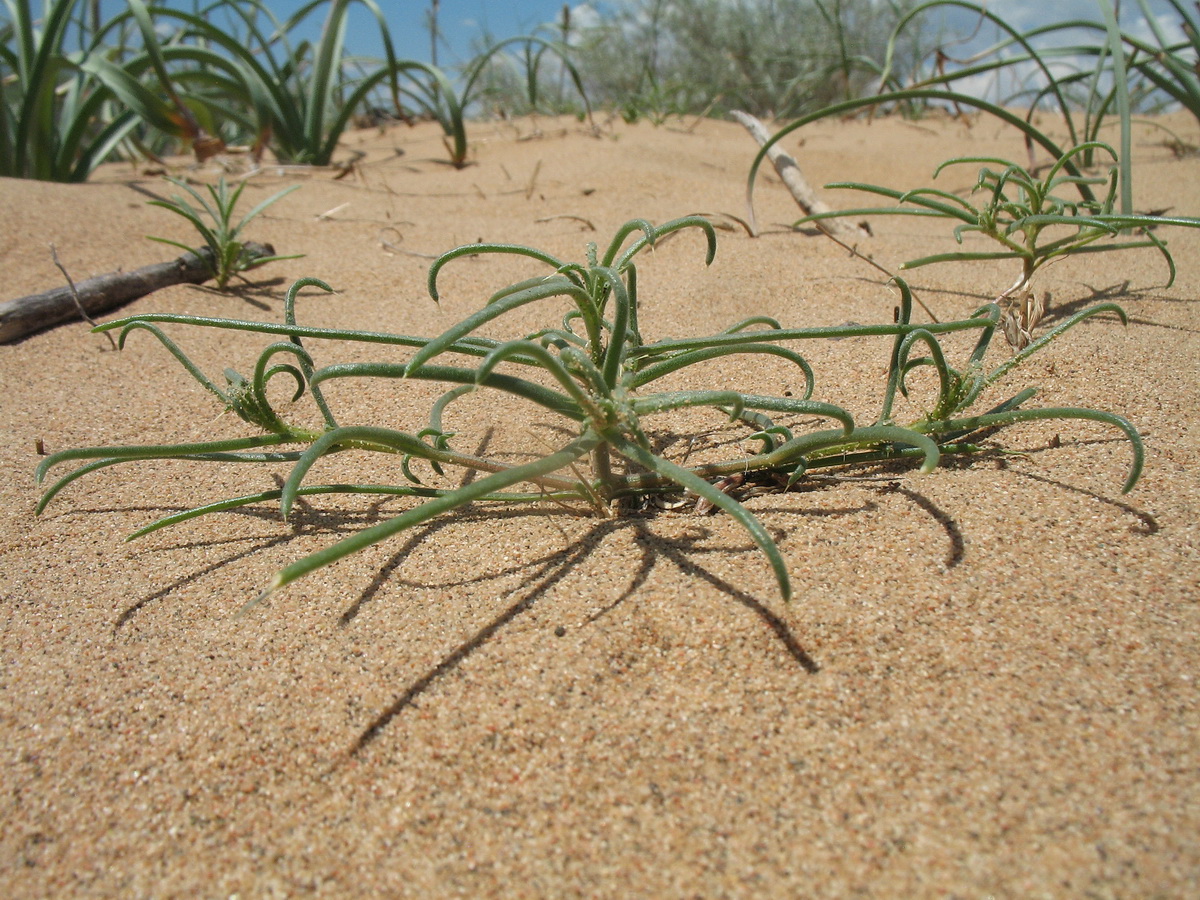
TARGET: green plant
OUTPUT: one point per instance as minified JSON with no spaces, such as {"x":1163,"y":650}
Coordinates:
{"x":595,"y":375}
{"x":297,"y":98}
{"x":1032,"y":133}
{"x":64,"y":112}
{"x":1170,"y":66}
{"x":492,"y":73}
{"x":124,"y":75}
{"x":1084,"y":82}
{"x":57,"y":120}
{"x":1023,"y":213}
{"x":1065,"y":65}
{"x":222,"y":237}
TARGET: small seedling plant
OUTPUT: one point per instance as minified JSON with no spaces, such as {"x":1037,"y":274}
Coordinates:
{"x":212,"y":217}
{"x":595,"y":374}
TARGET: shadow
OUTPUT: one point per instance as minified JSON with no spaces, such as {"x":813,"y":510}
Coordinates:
{"x":954,"y":535}
{"x":977,"y":298}
{"x":553,"y":568}
{"x":137,"y":186}
{"x":387,"y":573}
{"x":1060,"y":311}
{"x":958,"y":545}
{"x":1113,"y":293}
{"x":262,"y":295}
{"x":1116,"y":293}
{"x":129,"y":612}
{"x":549,"y":572}
{"x":303,"y":520}
{"x":686,"y":564}
{"x":1147,"y":523}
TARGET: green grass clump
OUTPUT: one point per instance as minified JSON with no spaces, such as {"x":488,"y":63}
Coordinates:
{"x":592,"y":371}
{"x":229,"y":72}
{"x":58,"y":118}
{"x":239,"y":63}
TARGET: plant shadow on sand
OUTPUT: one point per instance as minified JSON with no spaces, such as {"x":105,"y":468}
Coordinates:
{"x":262,"y":293}
{"x":310,"y":520}
{"x":544,"y":573}
{"x":549,"y":570}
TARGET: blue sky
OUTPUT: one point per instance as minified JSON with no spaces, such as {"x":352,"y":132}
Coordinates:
{"x":461,"y":22}
{"x":464,"y":22}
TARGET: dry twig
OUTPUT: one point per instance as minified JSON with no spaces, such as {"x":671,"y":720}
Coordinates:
{"x":789,"y":171}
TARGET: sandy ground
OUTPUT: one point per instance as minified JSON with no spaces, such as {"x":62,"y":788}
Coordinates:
{"x":984,"y":686}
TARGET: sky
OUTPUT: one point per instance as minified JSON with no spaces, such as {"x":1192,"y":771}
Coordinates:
{"x":463,"y":23}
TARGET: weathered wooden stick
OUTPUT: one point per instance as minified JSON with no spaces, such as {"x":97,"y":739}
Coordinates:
{"x":25,"y":315}
{"x":789,"y":171}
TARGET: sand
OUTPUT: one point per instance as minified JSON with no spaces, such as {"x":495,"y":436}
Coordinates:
{"x":984,"y":686}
